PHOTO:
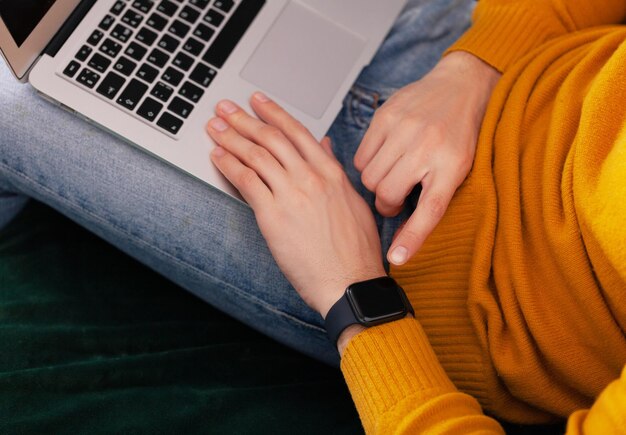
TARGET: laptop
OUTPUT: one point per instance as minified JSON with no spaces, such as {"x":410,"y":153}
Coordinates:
{"x":151,"y":71}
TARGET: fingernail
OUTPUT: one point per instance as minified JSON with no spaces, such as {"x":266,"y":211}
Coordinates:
{"x":399,"y":255}
{"x":227,"y":107}
{"x":218,"y":151}
{"x":261,"y":97}
{"x":218,"y":124}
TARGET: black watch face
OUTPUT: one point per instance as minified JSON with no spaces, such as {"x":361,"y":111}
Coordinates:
{"x":375,"y":300}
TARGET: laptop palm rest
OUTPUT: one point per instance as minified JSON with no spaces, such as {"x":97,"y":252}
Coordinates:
{"x":304,"y":59}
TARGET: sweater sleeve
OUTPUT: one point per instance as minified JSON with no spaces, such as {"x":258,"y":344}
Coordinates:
{"x":399,"y":387}
{"x":503,"y":31}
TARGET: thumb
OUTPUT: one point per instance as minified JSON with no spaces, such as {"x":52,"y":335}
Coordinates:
{"x":431,"y":207}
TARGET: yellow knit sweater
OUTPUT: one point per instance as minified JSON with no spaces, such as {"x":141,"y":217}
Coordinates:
{"x":520,"y":293}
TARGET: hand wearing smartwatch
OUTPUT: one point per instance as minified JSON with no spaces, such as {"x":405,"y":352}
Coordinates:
{"x":319,"y":229}
{"x":367,"y":303}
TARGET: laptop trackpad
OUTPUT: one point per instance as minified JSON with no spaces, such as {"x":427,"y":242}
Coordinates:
{"x":304,"y":59}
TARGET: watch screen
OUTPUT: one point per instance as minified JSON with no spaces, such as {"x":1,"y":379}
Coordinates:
{"x":22,"y":16}
{"x":377,"y":299}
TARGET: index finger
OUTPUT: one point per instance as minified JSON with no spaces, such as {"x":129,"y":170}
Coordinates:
{"x":308,"y":147}
{"x":431,"y":207}
{"x":370,"y":144}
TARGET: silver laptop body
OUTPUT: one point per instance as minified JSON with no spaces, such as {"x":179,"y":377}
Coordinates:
{"x":151,"y":71}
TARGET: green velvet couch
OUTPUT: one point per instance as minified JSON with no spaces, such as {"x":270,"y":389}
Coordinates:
{"x":93,"y":342}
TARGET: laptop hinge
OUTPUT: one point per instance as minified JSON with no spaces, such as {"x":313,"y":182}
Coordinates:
{"x":68,"y":27}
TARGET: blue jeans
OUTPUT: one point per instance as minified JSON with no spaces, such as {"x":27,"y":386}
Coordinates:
{"x":194,"y":235}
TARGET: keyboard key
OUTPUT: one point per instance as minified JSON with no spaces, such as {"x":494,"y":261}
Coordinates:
{"x":203,"y":75}
{"x":224,"y":5}
{"x":200,"y":3}
{"x":180,"y":107}
{"x":179,"y":29}
{"x":203,"y":32}
{"x":70,"y":70}
{"x":162,"y":91}
{"x":106,"y":22}
{"x":95,"y":37}
{"x":118,"y":7}
{"x":99,"y":62}
{"x":183,"y":61}
{"x":110,"y":47}
{"x":168,"y":8}
{"x":158,"y":58}
{"x":143,"y":5}
{"x":132,"y":94}
{"x":214,"y":18}
{"x":83,"y":53}
{"x":121,"y":33}
{"x":146,"y":36}
{"x":88,"y":78}
{"x":111,"y":85}
{"x":156,"y":21}
{"x":189,"y":14}
{"x":147,"y":73}
{"x":172,"y":76}
{"x":136,"y":51}
{"x":227,"y":40}
{"x":193,"y":46}
{"x":132,"y":18}
{"x":149,"y":109}
{"x":191,"y":92}
{"x":168,"y":43}
{"x":125,"y":66}
{"x":170,"y":123}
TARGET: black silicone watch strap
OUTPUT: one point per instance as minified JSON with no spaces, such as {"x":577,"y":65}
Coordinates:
{"x":339,"y":317}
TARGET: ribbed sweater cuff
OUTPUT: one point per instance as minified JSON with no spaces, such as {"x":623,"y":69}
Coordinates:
{"x":387,"y":364}
{"x":500,"y":35}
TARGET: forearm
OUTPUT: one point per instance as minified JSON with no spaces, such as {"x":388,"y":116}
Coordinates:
{"x":503,"y":31}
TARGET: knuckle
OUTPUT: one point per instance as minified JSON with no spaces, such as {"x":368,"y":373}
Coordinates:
{"x":237,"y":119}
{"x":257,"y":155}
{"x":385,"y":115}
{"x":388,"y":195}
{"x":246,"y":178}
{"x":359,"y":162}
{"x":466,"y":162}
{"x":436,"y":206}
{"x":368,"y":180}
{"x":299,"y":128}
{"x":270,"y":133}
{"x":314,"y":185}
{"x":462,"y":165}
{"x":336,"y":173}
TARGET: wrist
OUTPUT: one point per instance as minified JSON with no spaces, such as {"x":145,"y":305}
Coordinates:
{"x":464,"y":64}
{"x":337,"y":288}
{"x":347,"y":335}
{"x":365,"y":304}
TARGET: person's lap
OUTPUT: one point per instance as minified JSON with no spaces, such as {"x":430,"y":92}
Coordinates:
{"x":198,"y":237}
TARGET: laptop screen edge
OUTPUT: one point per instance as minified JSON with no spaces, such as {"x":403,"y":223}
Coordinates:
{"x":21,"y":59}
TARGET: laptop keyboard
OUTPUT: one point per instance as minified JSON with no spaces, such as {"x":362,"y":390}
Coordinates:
{"x":156,"y":59}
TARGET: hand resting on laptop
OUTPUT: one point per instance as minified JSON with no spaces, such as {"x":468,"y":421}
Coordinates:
{"x":319,"y":229}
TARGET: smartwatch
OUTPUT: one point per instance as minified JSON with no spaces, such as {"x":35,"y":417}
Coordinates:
{"x":368,"y":303}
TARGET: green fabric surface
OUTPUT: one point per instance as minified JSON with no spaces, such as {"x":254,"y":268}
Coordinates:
{"x":93,"y":342}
